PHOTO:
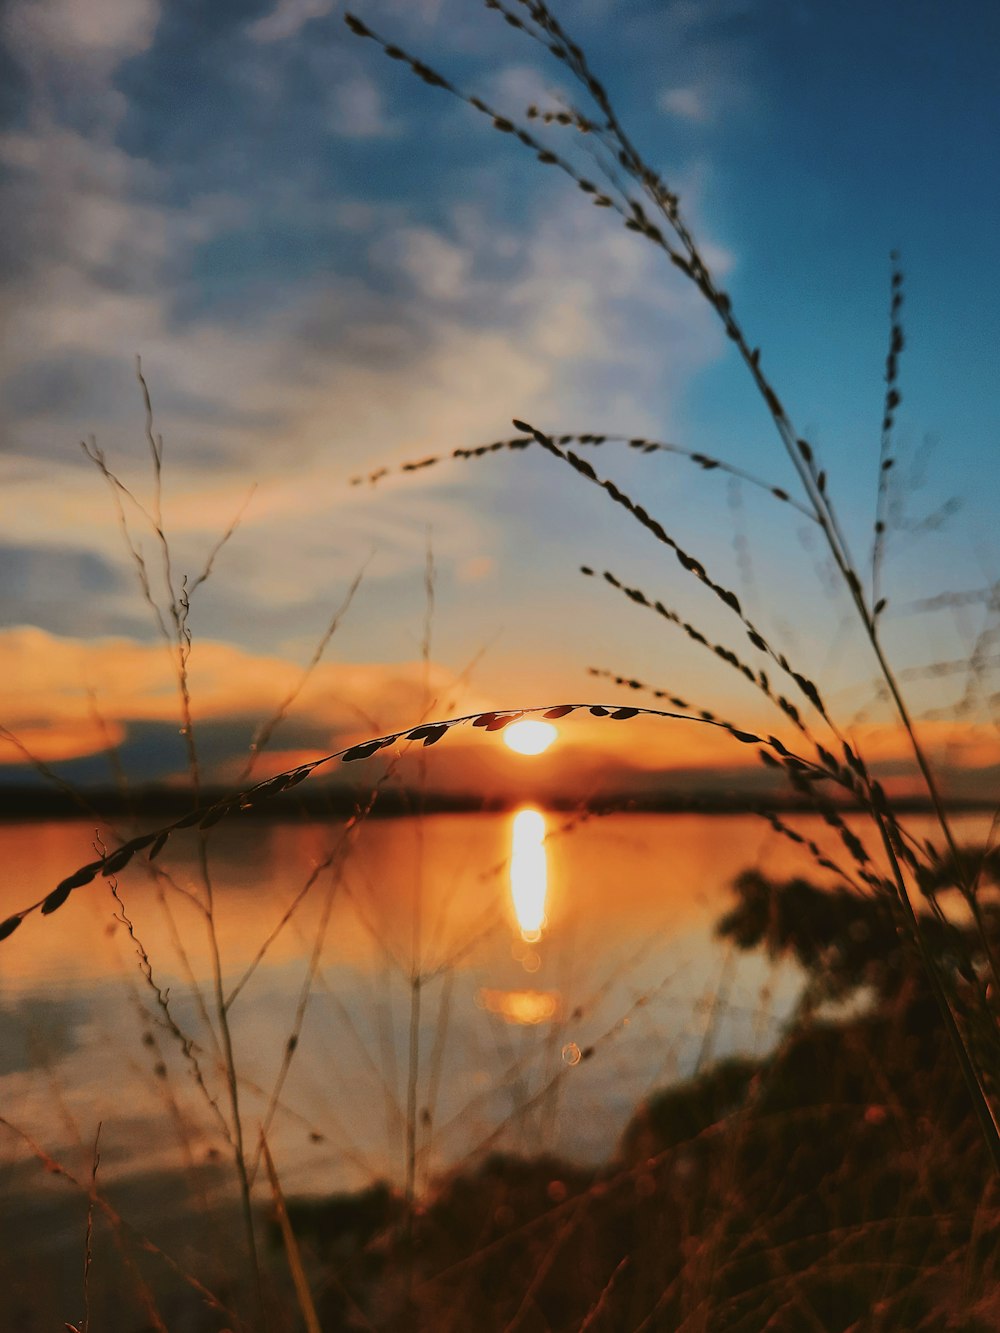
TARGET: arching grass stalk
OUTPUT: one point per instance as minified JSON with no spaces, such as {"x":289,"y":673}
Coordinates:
{"x":429,"y":733}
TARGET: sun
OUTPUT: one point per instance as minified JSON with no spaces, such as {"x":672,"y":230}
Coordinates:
{"x":529,"y":737}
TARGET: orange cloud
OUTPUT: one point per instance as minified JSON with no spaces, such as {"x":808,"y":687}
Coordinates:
{"x":66,"y":697}
{"x":51,"y":742}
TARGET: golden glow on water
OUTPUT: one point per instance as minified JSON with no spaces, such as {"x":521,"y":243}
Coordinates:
{"x":529,"y":873}
{"x":529,"y":737}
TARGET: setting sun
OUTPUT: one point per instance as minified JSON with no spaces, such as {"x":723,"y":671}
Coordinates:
{"x":530,"y":737}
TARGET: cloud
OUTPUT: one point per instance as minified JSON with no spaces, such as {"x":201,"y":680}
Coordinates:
{"x":439,"y":268}
{"x":690,"y":103}
{"x":300,"y":322}
{"x":56,"y":686}
{"x":568,"y":321}
{"x":78,"y":206}
{"x":67,"y":52}
{"x":516,"y":87}
{"x":355,"y":110}
{"x":67,"y":591}
{"x":103,"y":31}
{"x":287,"y":19}
{"x":89,"y":262}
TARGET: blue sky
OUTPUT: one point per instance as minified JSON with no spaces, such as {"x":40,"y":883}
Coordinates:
{"x":327,"y":266}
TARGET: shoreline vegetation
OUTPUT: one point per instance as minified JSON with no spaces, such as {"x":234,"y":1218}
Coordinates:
{"x":18,"y":804}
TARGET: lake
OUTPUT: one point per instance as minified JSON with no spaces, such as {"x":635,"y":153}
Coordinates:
{"x":500,"y":981}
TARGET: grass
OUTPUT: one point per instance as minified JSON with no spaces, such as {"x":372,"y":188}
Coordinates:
{"x":844,"y":1180}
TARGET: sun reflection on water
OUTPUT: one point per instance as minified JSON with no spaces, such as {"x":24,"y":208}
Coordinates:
{"x":524,"y":1007}
{"x":529,"y":879}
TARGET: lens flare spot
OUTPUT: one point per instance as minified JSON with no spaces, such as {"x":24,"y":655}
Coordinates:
{"x":527,"y":1008}
{"x":529,"y":737}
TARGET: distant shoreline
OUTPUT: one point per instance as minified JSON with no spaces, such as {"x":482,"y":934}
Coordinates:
{"x":21,"y":805}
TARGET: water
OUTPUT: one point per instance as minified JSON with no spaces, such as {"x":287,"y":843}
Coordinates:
{"x":540,"y":979}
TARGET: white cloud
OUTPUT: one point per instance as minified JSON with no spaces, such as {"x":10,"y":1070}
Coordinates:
{"x":108,"y":30}
{"x":689,"y":103}
{"x":581,"y":327}
{"x":79,"y":203}
{"x":70,"y":49}
{"x":355,"y":110}
{"x":516,"y":87}
{"x":590,"y":290}
{"x":438,"y":268}
{"x":288,"y":18}
{"x":563,"y":318}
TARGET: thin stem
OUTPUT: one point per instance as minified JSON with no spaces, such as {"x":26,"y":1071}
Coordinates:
{"x":413,"y":1070}
{"x":232,"y":1083}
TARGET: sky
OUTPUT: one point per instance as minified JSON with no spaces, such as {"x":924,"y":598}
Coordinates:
{"x":328,"y":267}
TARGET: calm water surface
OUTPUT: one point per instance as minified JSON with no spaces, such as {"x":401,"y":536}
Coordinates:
{"x":538,"y":980}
